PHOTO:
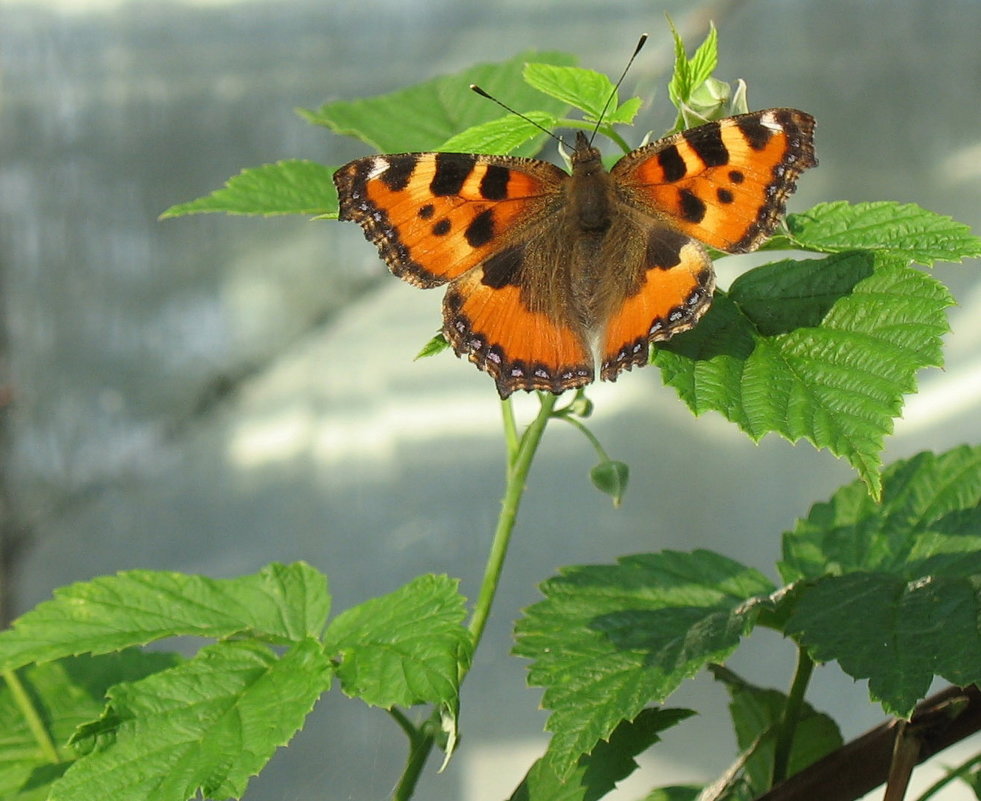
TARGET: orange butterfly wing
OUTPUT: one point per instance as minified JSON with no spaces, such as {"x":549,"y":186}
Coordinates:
{"x":434,"y":216}
{"x":520,"y":347}
{"x":672,"y":291}
{"x":724,"y":184}
{"x":466,"y":219}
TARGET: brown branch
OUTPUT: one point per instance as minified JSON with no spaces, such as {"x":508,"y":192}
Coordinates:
{"x":863,"y":764}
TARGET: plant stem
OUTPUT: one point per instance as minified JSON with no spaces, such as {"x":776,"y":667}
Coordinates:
{"x":519,"y":463}
{"x":405,"y":724}
{"x":420,"y":745}
{"x":30,"y":713}
{"x":610,"y":132}
{"x":791,"y":715}
{"x":511,"y":439}
{"x":587,"y":434}
{"x":520,"y":455}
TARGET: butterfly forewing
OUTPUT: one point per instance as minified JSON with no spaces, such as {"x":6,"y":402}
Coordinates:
{"x":434,"y":216}
{"x":724,"y":183}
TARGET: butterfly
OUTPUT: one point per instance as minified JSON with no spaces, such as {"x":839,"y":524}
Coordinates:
{"x":551,"y":273}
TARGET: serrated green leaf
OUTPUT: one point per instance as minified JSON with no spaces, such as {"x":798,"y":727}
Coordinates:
{"x":705,"y":59}
{"x":500,"y":136}
{"x":205,"y":726}
{"x":755,"y":711}
{"x":585,"y":89}
{"x":286,"y":187}
{"x":281,"y":603}
{"x":699,"y":97}
{"x":422,"y":117}
{"x":597,"y":773}
{"x":405,"y":648}
{"x":905,"y":230}
{"x":894,"y":590}
{"x":428,"y":115}
{"x":435,"y":345}
{"x":896,"y":633}
{"x":928,"y":522}
{"x":679,"y":87}
{"x":691,"y":73}
{"x":822,"y":350}
{"x":609,"y":640}
{"x":68,"y":693}
{"x":626,"y":112}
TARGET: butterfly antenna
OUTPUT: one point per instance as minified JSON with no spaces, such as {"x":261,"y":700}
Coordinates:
{"x":506,"y":107}
{"x":599,"y":121}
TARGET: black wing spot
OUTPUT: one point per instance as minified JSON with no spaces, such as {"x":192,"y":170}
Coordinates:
{"x":692,"y":206}
{"x":494,"y":184}
{"x":756,"y":133}
{"x":664,"y":248}
{"x":706,"y":141}
{"x":398,"y":172}
{"x":504,"y":268}
{"x":672,"y":163}
{"x":452,"y":169}
{"x":481,"y":229}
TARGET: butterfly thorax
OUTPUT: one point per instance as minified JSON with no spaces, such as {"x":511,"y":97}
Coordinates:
{"x":589,"y":189}
{"x":581,"y":243}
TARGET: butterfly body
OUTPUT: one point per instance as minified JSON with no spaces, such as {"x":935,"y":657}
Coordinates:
{"x":551,"y":274}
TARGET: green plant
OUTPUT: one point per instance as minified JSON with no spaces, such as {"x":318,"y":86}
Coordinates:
{"x":884,"y":578}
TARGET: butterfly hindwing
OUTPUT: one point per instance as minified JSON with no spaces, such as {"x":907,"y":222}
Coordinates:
{"x":673,"y":291}
{"x":724,"y":183}
{"x":491,"y":321}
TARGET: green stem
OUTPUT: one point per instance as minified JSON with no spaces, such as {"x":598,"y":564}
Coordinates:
{"x":405,"y":724}
{"x":420,"y":746}
{"x":957,"y":773}
{"x":519,"y":463}
{"x":30,"y":713}
{"x":511,"y":439}
{"x":791,"y":716}
{"x":610,"y":132}
{"x":520,"y":455}
{"x":587,"y":434}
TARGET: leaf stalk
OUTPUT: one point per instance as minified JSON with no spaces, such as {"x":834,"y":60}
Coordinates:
{"x":31,"y":715}
{"x":787,"y":727}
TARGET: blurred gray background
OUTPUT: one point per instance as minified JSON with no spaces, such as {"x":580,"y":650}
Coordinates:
{"x":214,"y":393}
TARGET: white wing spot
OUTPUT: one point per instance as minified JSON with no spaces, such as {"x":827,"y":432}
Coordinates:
{"x":769,"y":120}
{"x":378,"y":166}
